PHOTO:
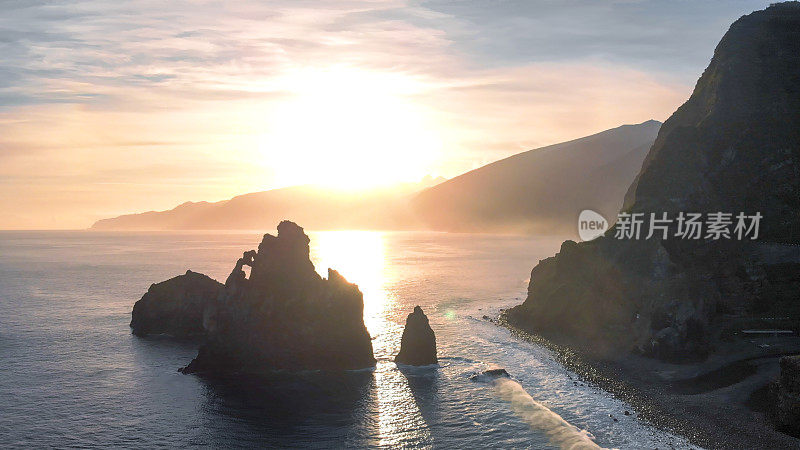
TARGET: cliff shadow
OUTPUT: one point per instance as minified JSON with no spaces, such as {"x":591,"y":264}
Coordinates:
{"x":288,"y":409}
{"x":424,"y":384}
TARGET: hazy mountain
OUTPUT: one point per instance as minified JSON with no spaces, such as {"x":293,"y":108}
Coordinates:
{"x":317,"y":208}
{"x":538,"y":190}
{"x":542,"y":189}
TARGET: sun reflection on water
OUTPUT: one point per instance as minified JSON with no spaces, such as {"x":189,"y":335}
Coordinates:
{"x":361,"y":257}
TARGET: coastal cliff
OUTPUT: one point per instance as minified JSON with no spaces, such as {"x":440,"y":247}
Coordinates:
{"x":284,"y":315}
{"x":733,"y":147}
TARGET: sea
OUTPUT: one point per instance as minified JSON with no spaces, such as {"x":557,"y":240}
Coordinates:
{"x":73,"y":376}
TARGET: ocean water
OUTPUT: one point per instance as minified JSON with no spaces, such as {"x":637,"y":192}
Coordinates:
{"x":72,"y":375}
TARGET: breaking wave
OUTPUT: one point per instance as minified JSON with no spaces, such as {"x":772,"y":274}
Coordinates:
{"x":540,"y":418}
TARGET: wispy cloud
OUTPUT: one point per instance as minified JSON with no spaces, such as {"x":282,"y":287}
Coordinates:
{"x":144,"y":93}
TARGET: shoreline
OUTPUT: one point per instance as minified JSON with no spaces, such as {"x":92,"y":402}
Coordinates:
{"x":714,"y":403}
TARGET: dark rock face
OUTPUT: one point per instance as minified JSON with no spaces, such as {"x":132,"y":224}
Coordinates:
{"x":784,"y":410}
{"x":418,"y":344}
{"x":734,"y":146}
{"x":176,"y":306}
{"x":284,"y":316}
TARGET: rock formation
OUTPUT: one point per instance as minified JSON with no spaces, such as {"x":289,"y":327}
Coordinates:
{"x":175,"y":307}
{"x":284,"y":315}
{"x":784,"y":410}
{"x":418,"y":344}
{"x":733,"y":147}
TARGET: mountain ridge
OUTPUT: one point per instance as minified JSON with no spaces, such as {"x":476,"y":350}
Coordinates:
{"x":617,"y":154}
{"x":549,"y":183}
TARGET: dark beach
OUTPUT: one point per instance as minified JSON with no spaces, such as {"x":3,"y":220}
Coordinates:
{"x":716,"y":403}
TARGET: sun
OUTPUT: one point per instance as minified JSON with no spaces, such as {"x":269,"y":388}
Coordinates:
{"x":345,"y":127}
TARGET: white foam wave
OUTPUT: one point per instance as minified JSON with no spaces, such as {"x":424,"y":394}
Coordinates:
{"x":539,"y":417}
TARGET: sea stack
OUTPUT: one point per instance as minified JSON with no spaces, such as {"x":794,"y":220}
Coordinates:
{"x":176,"y":306}
{"x":284,"y":316}
{"x":732,"y":148}
{"x":418,"y":344}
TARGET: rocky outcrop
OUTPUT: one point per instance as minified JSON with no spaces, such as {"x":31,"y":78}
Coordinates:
{"x":175,"y":307}
{"x":418,"y":344}
{"x":784,"y":410}
{"x":489,"y":375}
{"x":733,"y":147}
{"x":284,"y":315}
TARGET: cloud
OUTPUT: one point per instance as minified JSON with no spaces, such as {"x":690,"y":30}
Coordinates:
{"x":149,"y":92}
{"x":671,"y":38}
{"x":213,"y":46}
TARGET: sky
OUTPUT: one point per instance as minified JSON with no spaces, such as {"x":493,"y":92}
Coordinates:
{"x":110,"y":107}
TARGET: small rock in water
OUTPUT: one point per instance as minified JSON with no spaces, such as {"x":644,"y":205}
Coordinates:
{"x":497,"y":373}
{"x":176,"y":307}
{"x":418,"y":344}
{"x":490,"y":375}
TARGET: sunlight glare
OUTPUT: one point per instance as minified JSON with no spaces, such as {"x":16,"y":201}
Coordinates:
{"x":359,"y":256}
{"x":344,"y":127}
